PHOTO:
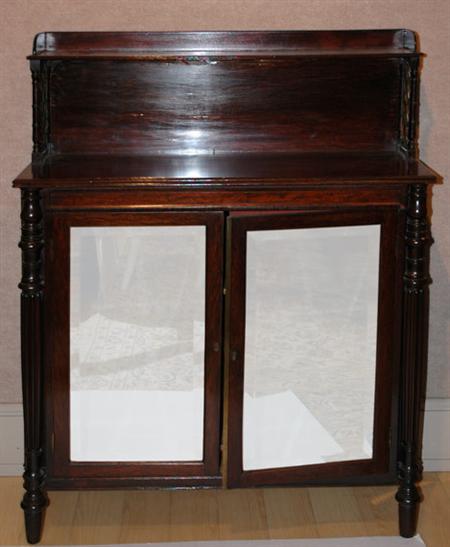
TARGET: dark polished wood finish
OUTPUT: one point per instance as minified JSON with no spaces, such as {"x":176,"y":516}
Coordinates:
{"x":253,"y":170}
{"x":208,"y":93}
{"x":386,"y":367}
{"x":252,"y":43}
{"x":31,"y":286}
{"x":226,"y":106}
{"x":287,"y":129}
{"x":416,"y":280}
{"x":59,"y":465}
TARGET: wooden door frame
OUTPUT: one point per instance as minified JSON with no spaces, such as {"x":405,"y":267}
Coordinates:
{"x":381,"y":468}
{"x":61,"y":472}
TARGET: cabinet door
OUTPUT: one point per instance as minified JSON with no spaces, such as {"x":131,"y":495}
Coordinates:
{"x":134,"y":345}
{"x":312,"y":337}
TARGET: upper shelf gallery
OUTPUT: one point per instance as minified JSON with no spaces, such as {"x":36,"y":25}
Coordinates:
{"x":350,"y":96}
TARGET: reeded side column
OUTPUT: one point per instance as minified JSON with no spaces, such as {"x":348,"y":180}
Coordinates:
{"x":34,"y":500}
{"x":416,"y":281}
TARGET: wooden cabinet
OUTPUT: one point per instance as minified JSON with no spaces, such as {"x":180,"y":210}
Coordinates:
{"x":225,"y":263}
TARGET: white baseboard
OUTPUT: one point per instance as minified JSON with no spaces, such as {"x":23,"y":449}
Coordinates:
{"x":436,"y":442}
{"x":436,"y":435}
{"x":11,"y":439}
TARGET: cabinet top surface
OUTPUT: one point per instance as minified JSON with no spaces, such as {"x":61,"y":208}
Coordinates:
{"x":225,"y":170}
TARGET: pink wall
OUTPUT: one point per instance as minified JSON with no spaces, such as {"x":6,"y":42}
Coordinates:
{"x":22,"y":19}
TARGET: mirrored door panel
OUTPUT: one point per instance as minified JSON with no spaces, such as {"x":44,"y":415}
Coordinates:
{"x":310,"y":345}
{"x":143,"y":342}
{"x":306,"y":348}
{"x":137,"y":339}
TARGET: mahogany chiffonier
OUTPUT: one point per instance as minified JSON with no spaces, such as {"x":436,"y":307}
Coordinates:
{"x":225,"y":263}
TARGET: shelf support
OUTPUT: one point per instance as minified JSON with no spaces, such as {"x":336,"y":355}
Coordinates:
{"x":409,"y":109}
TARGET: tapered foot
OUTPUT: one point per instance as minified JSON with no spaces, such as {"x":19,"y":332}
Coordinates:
{"x":34,"y":504}
{"x":407,"y":518}
{"x":33,"y":525}
{"x":408,"y":497}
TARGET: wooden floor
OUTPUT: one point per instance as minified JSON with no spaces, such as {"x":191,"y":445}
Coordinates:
{"x":146,"y":516}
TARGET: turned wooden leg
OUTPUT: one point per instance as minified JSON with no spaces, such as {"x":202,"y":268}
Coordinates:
{"x":34,"y":500}
{"x":414,"y":358}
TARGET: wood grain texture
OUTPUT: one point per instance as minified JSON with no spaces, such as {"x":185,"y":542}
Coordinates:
{"x":123,"y":43}
{"x":86,"y":517}
{"x":224,"y":170}
{"x":130,"y":127}
{"x":381,"y":467}
{"x":228,"y":106}
{"x":121,"y":94}
{"x":269,"y":199}
{"x":61,"y":470}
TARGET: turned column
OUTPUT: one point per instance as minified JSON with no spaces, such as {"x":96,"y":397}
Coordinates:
{"x":31,"y":243}
{"x":416,"y":281}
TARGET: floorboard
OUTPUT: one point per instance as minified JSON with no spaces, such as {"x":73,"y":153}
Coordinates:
{"x":149,"y":516}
